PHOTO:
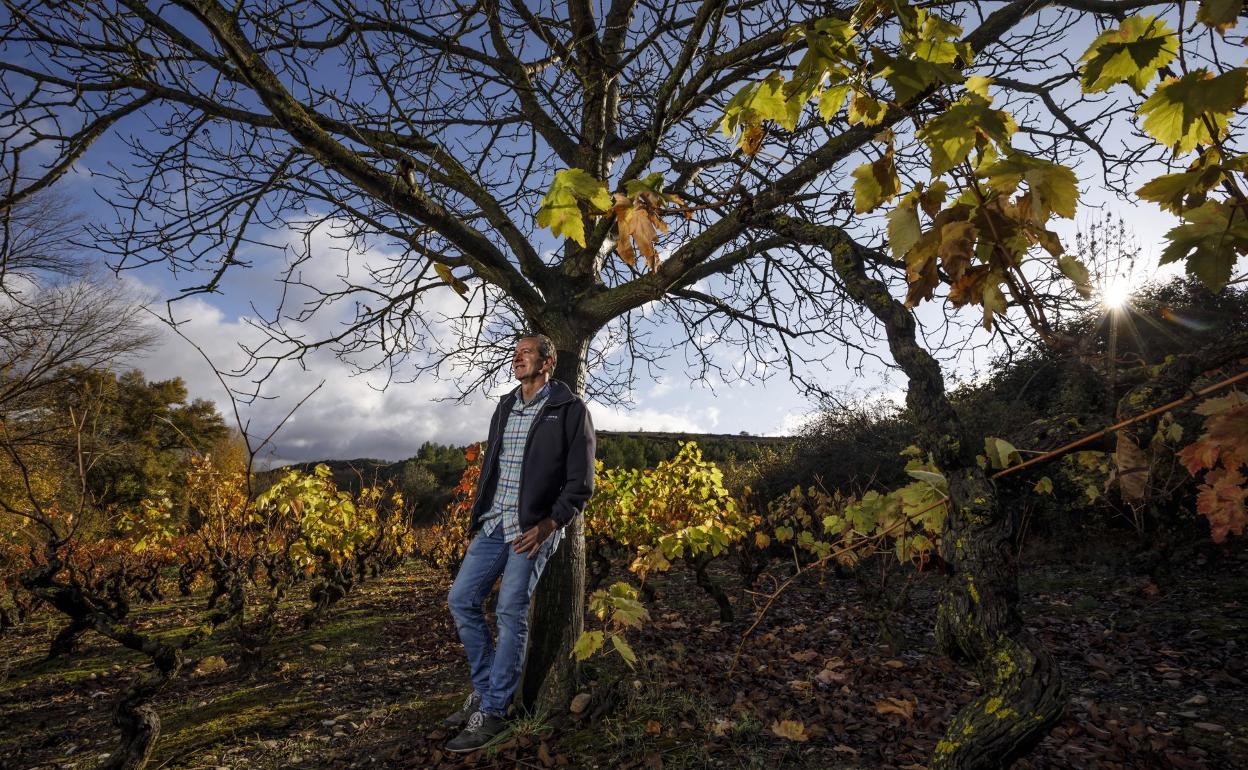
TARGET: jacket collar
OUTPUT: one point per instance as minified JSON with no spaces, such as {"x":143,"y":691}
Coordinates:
{"x":559,"y":394}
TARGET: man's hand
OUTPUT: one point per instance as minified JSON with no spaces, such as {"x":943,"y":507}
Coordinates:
{"x":533,"y":537}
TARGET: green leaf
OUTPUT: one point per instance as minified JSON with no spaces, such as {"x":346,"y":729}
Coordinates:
{"x":1181,"y":111}
{"x":910,"y":77}
{"x":1131,"y":54}
{"x":937,"y":480}
{"x":1186,"y":189}
{"x":769,"y":102}
{"x":769,"y":99}
{"x":1054,"y":188}
{"x":875,"y":183}
{"x":1220,"y":15}
{"x":1077,"y":272}
{"x":1044,"y":486}
{"x":934,"y":40}
{"x":1001,"y":453}
{"x":588,"y":643}
{"x":560,"y":210}
{"x":829,"y":52}
{"x":628,"y":612}
{"x":967,"y":123}
{"x":649,"y":183}
{"x":832,"y":100}
{"x":1210,"y":240}
{"x":623,"y":649}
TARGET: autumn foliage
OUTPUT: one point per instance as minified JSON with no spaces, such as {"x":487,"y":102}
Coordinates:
{"x":1221,"y":452}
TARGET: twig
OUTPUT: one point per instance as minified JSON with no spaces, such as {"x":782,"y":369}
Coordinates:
{"x":1120,"y":425}
{"x":814,"y":564}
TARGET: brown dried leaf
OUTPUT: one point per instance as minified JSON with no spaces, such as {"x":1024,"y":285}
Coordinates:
{"x":1132,"y":465}
{"x":957,"y":245}
{"x":899,"y":706}
{"x":638,"y":224}
{"x":790,"y":729}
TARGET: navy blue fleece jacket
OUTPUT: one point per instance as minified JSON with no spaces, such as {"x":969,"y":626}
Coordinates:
{"x":558,"y":473}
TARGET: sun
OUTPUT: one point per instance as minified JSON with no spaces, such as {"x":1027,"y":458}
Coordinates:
{"x":1116,"y":295}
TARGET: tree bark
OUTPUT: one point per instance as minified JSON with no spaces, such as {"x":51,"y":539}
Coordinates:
{"x":698,"y":564}
{"x":138,"y":721}
{"x":67,"y":638}
{"x":558,"y":612}
{"x":977,"y":620}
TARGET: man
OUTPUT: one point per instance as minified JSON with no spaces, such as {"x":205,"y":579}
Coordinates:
{"x":537,"y":475}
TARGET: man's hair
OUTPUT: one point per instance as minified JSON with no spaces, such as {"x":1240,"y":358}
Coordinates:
{"x":545,"y":348}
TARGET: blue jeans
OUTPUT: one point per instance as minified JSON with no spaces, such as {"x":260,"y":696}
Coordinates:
{"x":496,"y":671}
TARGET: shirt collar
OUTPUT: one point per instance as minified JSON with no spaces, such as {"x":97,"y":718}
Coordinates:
{"x":541,"y":394}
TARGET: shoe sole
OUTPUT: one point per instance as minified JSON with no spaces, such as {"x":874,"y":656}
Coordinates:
{"x":501,"y":737}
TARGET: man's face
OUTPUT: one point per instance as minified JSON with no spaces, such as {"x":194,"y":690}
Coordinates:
{"x":527,"y":363}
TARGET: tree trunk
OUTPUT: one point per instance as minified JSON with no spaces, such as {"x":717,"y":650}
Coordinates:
{"x":977,"y":621}
{"x":64,"y":642}
{"x":558,"y":612}
{"x":698,"y":564}
{"x":138,"y":722}
{"x":600,"y":566}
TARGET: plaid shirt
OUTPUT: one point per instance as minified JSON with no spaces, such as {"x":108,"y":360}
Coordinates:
{"x":506,"y":504}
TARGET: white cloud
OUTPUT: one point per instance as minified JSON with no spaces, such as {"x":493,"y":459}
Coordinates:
{"x":794,"y":423}
{"x":661,"y":388}
{"x":349,"y":416}
{"x":679,"y":420}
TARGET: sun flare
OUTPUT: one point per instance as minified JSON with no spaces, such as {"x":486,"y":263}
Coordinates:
{"x":1116,"y":295}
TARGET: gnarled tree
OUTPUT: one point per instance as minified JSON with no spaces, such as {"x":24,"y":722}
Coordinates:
{"x":441,"y":131}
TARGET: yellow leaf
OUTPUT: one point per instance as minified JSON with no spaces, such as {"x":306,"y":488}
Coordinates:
{"x":588,"y":643}
{"x":625,"y":651}
{"x":561,"y":207}
{"x":831,"y":101}
{"x":210,"y":665}
{"x":875,"y":183}
{"x":446,"y":275}
{"x":1194,"y":109}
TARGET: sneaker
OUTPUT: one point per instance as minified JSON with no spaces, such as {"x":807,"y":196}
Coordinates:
{"x":483,"y":729}
{"x":471,"y":704}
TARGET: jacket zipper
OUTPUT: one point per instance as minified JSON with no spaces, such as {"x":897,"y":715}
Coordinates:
{"x":524,"y":457}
